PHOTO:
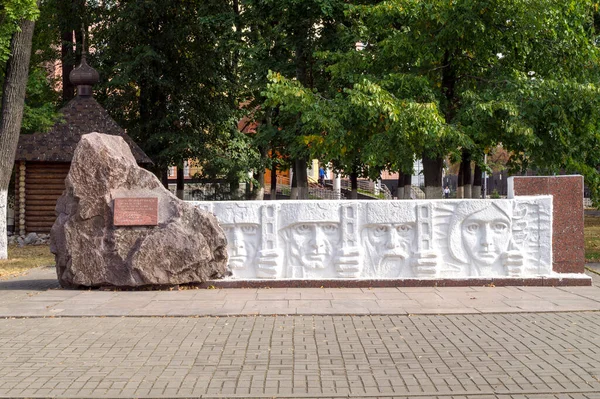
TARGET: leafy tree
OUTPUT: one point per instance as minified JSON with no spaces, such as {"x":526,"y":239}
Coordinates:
{"x":16,"y":22}
{"x":284,"y":36}
{"x":361,"y":130}
{"x":541,"y":101}
{"x":39,"y":113}
{"x":63,"y":22}
{"x":12,"y":12}
{"x":166,"y":71}
{"x":497,"y":71}
{"x":40,"y":99}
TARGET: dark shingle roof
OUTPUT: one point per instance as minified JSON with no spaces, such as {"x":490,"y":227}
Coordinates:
{"x":80,"y":116}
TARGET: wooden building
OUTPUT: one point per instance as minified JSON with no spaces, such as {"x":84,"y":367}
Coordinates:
{"x":43,"y":159}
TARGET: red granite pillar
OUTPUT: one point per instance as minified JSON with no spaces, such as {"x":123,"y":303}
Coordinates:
{"x":568,"y":252}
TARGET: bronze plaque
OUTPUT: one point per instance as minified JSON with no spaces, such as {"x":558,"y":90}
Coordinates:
{"x":135,"y":212}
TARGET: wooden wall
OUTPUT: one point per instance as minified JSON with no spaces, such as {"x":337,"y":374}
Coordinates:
{"x":44,"y":184}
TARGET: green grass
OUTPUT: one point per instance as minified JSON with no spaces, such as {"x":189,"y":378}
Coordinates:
{"x":370,"y":194}
{"x":21,"y":259}
{"x":592,"y":238}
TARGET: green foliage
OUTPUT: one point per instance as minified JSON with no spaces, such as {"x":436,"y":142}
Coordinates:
{"x":167,"y":76}
{"x":40,"y":100}
{"x":431,"y":78}
{"x":11,"y":13}
{"x":230,"y":158}
{"x":437,"y":77}
{"x":286,"y":36}
{"x":364,"y":128}
{"x":39,"y":113}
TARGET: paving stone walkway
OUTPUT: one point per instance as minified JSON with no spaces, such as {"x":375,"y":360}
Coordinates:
{"x":303,"y":356}
{"x":468,"y":343}
{"x":38,"y":295}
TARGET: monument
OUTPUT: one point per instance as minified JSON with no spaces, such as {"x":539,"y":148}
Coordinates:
{"x":118,"y":226}
{"x":424,"y":239}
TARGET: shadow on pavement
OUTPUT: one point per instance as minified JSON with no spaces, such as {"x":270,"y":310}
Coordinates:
{"x":38,"y":285}
{"x":38,"y":279}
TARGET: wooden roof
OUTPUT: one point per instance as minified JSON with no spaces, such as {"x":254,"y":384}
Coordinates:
{"x":80,"y":116}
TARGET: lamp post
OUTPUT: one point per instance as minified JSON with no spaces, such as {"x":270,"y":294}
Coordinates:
{"x":485,"y":176}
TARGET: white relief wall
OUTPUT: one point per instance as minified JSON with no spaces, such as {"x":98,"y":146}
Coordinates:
{"x":387,"y":239}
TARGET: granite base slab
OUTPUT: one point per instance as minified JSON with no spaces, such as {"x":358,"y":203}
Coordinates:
{"x":575,"y":280}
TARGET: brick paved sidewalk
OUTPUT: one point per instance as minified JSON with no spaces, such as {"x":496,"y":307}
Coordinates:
{"x":372,"y":343}
{"x":38,"y":295}
{"x":544,"y":355}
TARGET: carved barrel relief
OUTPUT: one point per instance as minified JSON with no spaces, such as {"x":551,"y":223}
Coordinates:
{"x":387,"y":239}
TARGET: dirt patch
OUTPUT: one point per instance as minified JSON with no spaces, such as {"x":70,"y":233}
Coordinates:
{"x":21,"y":259}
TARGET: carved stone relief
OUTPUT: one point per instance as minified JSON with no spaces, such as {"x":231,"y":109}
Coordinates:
{"x":387,"y":239}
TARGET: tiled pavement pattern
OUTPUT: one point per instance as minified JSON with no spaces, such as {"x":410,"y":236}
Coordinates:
{"x":37,"y":295}
{"x":378,"y":343}
{"x":541,"y":355}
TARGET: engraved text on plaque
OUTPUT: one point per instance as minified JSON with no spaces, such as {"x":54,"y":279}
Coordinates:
{"x":135,"y":212}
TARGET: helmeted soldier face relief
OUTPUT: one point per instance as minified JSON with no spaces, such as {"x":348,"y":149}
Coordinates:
{"x":321,"y":240}
{"x":242,"y":244}
{"x":392,"y":240}
{"x":241,"y":223}
{"x":313,"y":243}
{"x":391,"y":245}
{"x":389,"y":237}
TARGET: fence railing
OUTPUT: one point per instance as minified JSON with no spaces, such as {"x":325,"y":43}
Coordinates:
{"x":315,"y":190}
{"x":370,"y":188}
{"x":219,"y":191}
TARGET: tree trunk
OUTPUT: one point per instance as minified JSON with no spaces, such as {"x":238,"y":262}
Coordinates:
{"x":407,"y":186}
{"x":70,"y":14}
{"x":180,"y":183}
{"x":301,"y":178}
{"x":466,"y":172}
{"x":400,"y":188}
{"x":79,"y":39}
{"x":404,"y":186}
{"x":164,"y":177}
{"x":67,"y":59}
{"x":294,"y":190}
{"x":13,"y":100}
{"x":3,"y":232}
{"x":259,"y":192}
{"x":432,"y":170}
{"x":234,"y":190}
{"x":460,"y":186}
{"x":476,"y":193}
{"x":273,"y":178}
{"x":353,"y":185}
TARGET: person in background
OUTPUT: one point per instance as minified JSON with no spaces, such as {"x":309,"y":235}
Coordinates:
{"x":447,"y":192}
{"x":321,"y":176}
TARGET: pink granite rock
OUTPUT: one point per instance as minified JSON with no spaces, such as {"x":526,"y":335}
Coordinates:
{"x":187,"y":245}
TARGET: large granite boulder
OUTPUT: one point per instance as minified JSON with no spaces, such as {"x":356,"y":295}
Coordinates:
{"x":186,"y":246}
